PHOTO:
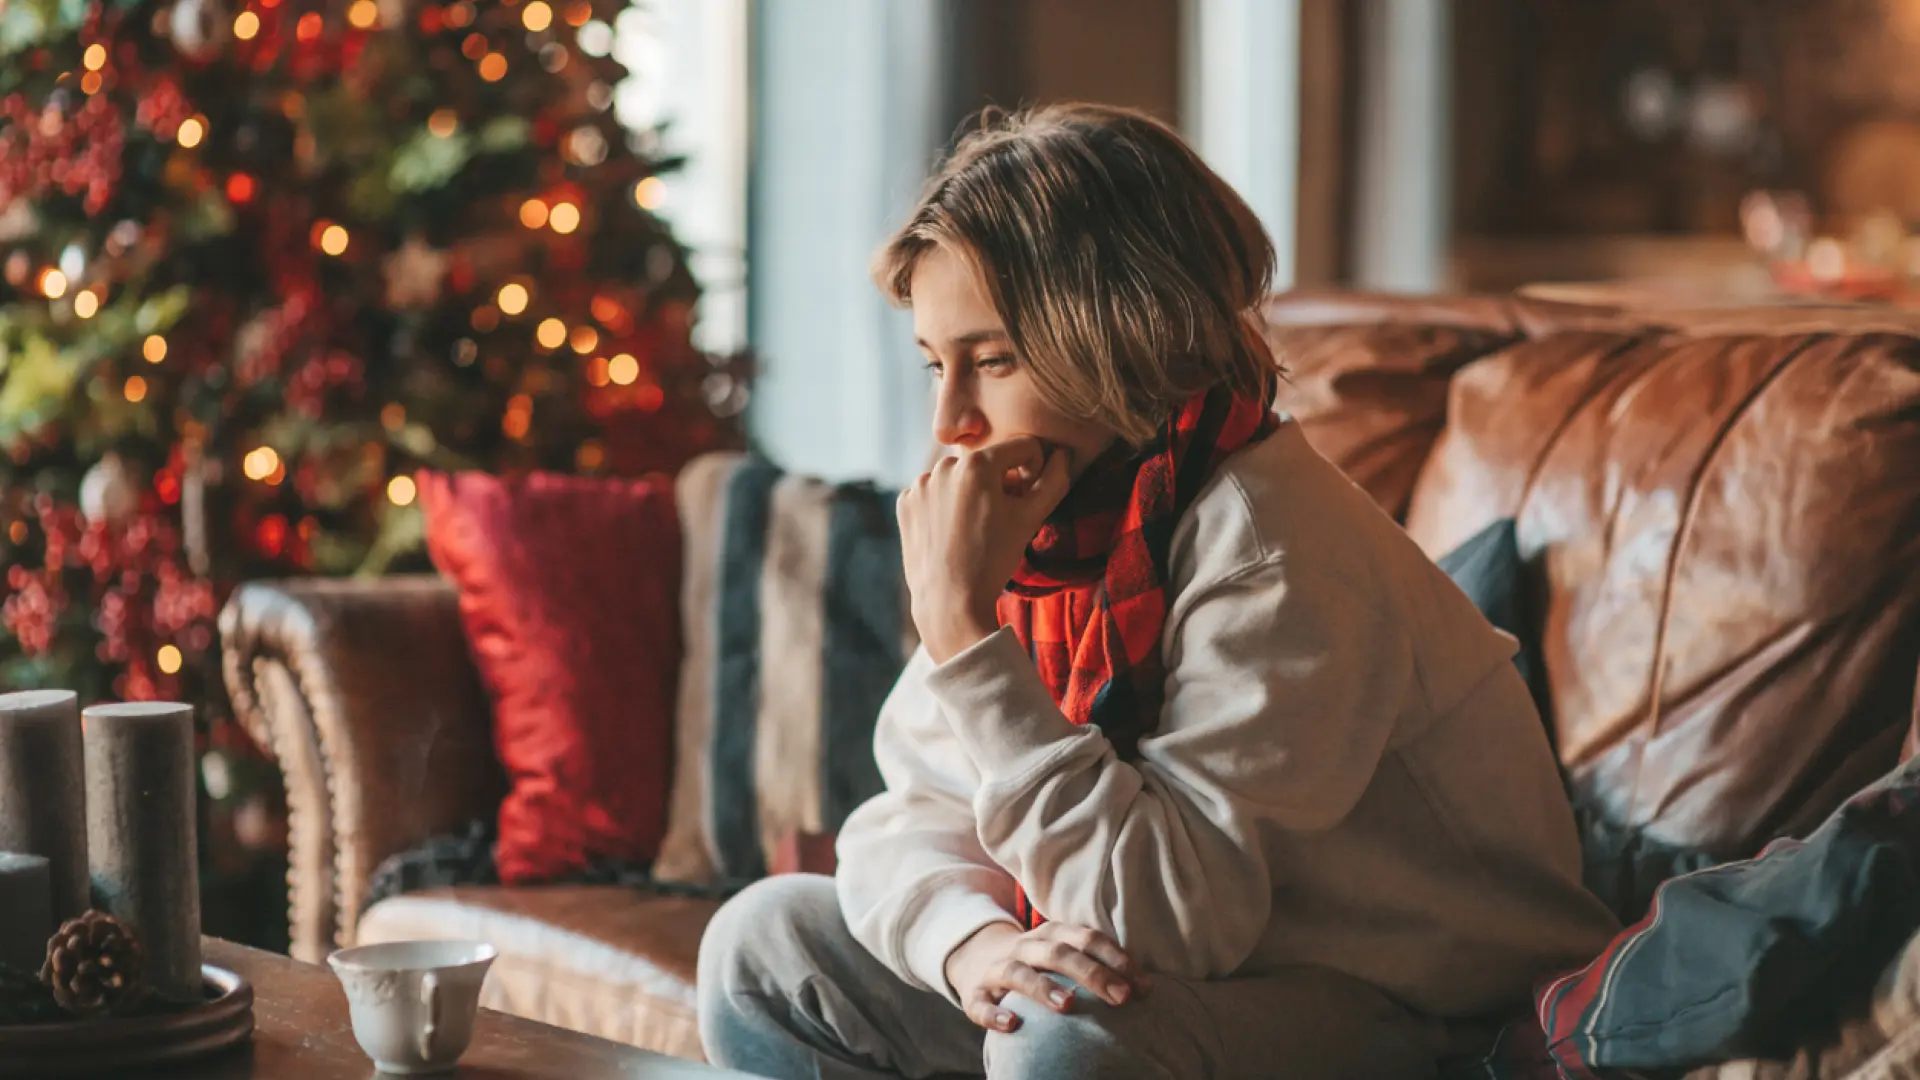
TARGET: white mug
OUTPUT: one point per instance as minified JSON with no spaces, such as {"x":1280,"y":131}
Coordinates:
{"x":413,"y":1002}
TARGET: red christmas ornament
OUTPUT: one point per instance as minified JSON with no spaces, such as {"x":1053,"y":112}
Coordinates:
{"x":74,"y":148}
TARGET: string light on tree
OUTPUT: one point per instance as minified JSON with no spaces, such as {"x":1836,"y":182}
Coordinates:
{"x":444,"y":122}
{"x":363,"y":14}
{"x":86,"y":304}
{"x":537,"y":16}
{"x":518,"y":420}
{"x":650,"y":193}
{"x":95,"y":57}
{"x":192,"y":131}
{"x":584,"y":339}
{"x":154,"y":348}
{"x":595,"y":38}
{"x":246,"y":26}
{"x":533,"y":213}
{"x":401,"y":490}
{"x":623,"y":370}
{"x":493,"y":67}
{"x":605,"y":309}
{"x":552,"y":334}
{"x":53,"y":284}
{"x":565,"y":218}
{"x":586,"y":146}
{"x":260,"y":463}
{"x":513,"y":298}
{"x":135,"y":389}
{"x":168,"y":659}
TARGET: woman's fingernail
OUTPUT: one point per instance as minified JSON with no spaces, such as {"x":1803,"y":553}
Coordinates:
{"x":1003,"y":1021}
{"x":1117,"y":995}
{"x":1060,"y":998}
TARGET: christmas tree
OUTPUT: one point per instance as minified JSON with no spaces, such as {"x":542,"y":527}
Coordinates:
{"x":262,"y":262}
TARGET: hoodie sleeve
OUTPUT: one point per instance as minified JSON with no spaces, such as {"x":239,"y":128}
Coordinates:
{"x":913,"y":879}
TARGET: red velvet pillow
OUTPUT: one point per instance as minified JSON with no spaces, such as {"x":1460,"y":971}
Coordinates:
{"x":569,"y":592}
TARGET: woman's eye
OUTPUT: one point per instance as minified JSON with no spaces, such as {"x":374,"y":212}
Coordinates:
{"x":995,"y":363}
{"x":933,"y":368}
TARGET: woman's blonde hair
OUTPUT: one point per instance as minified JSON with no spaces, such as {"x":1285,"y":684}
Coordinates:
{"x":1127,"y":273}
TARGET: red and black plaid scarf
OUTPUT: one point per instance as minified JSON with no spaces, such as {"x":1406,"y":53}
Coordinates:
{"x":1089,"y":602}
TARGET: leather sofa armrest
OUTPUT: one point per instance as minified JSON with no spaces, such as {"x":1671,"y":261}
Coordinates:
{"x":364,"y":692}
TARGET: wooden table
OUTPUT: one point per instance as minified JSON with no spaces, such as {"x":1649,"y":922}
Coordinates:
{"x":301,"y":1032}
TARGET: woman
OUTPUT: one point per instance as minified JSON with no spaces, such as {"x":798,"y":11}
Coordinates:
{"x":1203,"y":768}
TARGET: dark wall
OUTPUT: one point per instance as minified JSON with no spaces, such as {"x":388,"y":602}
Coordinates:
{"x":1021,"y":52}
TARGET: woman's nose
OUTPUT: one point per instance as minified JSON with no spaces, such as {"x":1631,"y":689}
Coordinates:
{"x":957,"y":420}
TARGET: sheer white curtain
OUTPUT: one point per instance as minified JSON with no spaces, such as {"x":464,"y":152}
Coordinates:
{"x":1401,"y":224}
{"x":689,"y":64}
{"x":1240,"y":106}
{"x":850,"y":109}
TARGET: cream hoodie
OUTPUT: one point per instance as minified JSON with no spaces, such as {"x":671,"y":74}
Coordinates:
{"x":1348,"y":773}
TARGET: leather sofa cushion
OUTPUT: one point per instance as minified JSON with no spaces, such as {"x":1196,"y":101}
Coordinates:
{"x":610,"y":961}
{"x":1728,"y":525}
{"x":1373,"y":398}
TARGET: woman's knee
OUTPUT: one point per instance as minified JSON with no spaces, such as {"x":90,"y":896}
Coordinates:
{"x":770,"y":934}
{"x":1086,"y":1043}
{"x":754,"y":956}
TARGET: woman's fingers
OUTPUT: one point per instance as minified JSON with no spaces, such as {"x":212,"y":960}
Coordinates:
{"x":1021,"y":978}
{"x":984,"y":1009}
{"x":1108,"y":952}
{"x":1056,"y":955}
{"x":1019,"y":452}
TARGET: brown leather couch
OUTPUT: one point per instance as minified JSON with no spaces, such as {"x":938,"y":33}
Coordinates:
{"x":1724,"y":507}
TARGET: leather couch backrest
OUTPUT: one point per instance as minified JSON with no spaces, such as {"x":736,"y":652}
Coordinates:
{"x":1367,"y":377}
{"x":1723,"y":507}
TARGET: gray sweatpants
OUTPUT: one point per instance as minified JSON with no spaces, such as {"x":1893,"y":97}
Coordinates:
{"x":786,"y":992}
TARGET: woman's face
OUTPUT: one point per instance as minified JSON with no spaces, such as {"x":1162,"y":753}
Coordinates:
{"x":986,"y":393}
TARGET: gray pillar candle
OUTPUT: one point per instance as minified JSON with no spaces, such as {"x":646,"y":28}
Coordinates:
{"x":26,"y":911}
{"x":140,"y":830}
{"x":43,"y":808}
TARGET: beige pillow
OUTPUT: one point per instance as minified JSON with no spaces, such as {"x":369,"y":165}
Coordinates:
{"x":795,"y":622}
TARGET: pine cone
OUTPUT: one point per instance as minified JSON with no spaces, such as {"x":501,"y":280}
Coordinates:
{"x":94,"y":964}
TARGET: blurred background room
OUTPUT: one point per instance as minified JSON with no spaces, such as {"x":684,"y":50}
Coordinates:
{"x":265,"y":260}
